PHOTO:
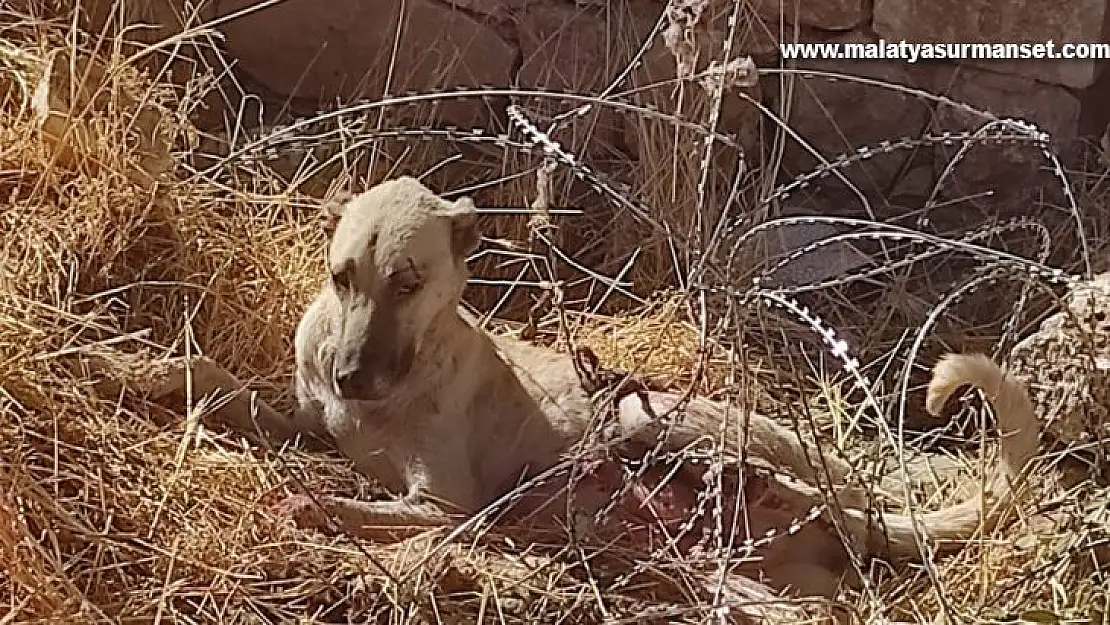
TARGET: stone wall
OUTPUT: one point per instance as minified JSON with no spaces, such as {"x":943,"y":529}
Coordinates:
{"x":322,"y":52}
{"x":303,"y":55}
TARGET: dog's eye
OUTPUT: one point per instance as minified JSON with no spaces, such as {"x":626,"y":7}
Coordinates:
{"x":341,"y":278}
{"x":405,"y":282}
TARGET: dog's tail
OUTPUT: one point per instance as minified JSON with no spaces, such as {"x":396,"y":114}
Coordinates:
{"x":1020,"y":438}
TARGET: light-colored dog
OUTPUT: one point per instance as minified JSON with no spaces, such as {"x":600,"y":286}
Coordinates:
{"x":397,"y":376}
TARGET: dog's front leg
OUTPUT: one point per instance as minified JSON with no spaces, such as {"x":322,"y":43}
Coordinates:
{"x":203,"y":376}
{"x":373,"y":520}
{"x":198,"y":376}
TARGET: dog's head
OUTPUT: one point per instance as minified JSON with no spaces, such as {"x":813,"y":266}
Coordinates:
{"x":398,"y":261}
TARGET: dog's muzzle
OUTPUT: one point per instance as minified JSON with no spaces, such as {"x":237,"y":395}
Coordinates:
{"x":369,"y":381}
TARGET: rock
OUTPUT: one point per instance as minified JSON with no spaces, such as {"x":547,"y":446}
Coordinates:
{"x":839,"y":116}
{"x":1065,"y":365}
{"x":1052,"y":108}
{"x":998,"y":21}
{"x":343,"y":49}
{"x":994,"y":167}
{"x":569,"y":49}
{"x":565,"y":47}
{"x":493,"y":8}
{"x":823,"y":263}
{"x":755,"y":36}
{"x":826,"y":15}
{"x":737,"y":116}
{"x":917,"y":181}
{"x":1095,"y":101}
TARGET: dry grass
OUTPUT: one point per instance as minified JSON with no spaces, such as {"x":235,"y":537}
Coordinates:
{"x":110,"y":512}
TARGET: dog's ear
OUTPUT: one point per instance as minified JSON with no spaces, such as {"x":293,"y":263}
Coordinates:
{"x":331,"y":209}
{"x":464,"y":227}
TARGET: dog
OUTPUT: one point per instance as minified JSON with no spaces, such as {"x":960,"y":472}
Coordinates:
{"x":398,"y":377}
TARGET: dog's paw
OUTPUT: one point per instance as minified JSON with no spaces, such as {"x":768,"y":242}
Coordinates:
{"x":305,"y":512}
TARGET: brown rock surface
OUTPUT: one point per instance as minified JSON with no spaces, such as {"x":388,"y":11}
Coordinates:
{"x":495,"y":8}
{"x":990,"y":167}
{"x":839,"y":116}
{"x":827,"y":14}
{"x":584,"y":48}
{"x":1002,"y":21}
{"x":581,"y":49}
{"x":343,"y":49}
{"x":568,"y":47}
{"x":1065,"y":365}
